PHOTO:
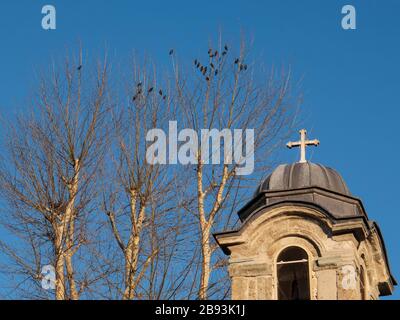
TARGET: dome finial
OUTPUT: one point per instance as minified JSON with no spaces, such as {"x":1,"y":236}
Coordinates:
{"x":302,"y":144}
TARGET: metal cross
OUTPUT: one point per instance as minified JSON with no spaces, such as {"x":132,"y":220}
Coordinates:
{"x":302,"y":144}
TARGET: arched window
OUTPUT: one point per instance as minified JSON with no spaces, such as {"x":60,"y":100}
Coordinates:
{"x":293,"y":274}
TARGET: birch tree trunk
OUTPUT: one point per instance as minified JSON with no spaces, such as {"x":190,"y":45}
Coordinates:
{"x":70,"y":217}
{"x":59,"y":267}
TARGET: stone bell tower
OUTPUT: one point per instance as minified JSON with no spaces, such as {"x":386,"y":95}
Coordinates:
{"x":304,"y":236}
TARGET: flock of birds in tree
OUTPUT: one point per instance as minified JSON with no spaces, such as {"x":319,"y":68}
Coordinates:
{"x":206,"y":71}
{"x":139,"y":92}
{"x":139,"y":86}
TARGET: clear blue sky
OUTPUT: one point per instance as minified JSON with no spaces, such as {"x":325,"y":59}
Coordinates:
{"x":351,"y":78}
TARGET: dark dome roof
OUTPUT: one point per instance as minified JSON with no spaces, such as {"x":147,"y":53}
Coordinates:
{"x":302,"y":175}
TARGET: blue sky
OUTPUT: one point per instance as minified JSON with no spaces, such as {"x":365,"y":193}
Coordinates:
{"x":350,"y":78}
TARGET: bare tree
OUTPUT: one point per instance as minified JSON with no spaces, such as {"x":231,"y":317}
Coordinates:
{"x":48,"y":173}
{"x":142,"y":201}
{"x":81,"y":194}
{"x":226,"y":90}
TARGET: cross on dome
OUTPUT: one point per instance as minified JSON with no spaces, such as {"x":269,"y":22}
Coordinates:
{"x":302,"y":144}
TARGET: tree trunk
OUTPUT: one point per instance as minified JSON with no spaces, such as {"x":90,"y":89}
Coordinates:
{"x":70,"y":233}
{"x":131,"y":256}
{"x":205,"y":263}
{"x":59,"y":267}
{"x":132,"y":248}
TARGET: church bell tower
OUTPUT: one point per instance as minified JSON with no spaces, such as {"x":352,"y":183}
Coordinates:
{"x":304,"y":236}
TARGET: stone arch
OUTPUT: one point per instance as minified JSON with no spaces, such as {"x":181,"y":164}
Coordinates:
{"x":294,"y":241}
{"x":264,"y":215}
{"x":283,"y":222}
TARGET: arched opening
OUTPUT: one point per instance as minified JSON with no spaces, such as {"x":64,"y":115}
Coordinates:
{"x":293,"y":274}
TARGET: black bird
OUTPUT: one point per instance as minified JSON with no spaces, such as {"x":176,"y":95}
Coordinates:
{"x":171,"y":51}
{"x":134,"y":98}
{"x":198,"y":64}
{"x":212,"y":65}
{"x":207,"y":78}
{"x":216,"y":72}
{"x":164,"y":97}
{"x":79,"y":67}
{"x":224,"y":53}
{"x":195,"y":62}
{"x":139,"y":84}
{"x":245,"y":67}
{"x":241,"y":67}
{"x":150,"y":90}
{"x":226,"y":48}
{"x":236,"y":60}
{"x":160,"y":92}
